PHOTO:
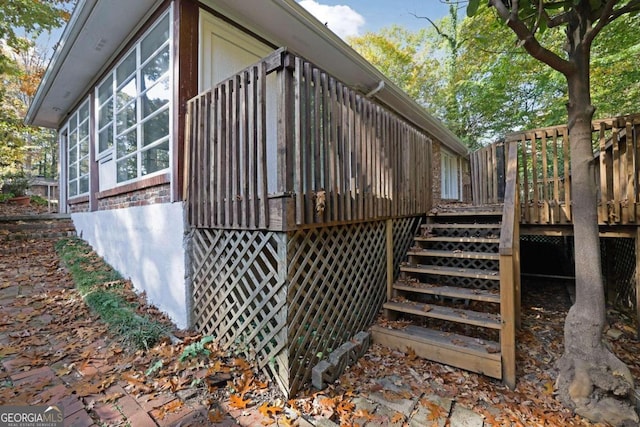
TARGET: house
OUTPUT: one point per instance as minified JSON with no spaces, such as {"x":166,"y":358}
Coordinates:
{"x":243,"y":166}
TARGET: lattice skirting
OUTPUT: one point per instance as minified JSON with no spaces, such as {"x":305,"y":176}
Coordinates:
{"x":290,"y":299}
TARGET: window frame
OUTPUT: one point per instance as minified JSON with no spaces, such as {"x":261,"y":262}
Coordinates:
{"x":71,"y":126}
{"x":449,"y":176}
{"x":111,"y":155}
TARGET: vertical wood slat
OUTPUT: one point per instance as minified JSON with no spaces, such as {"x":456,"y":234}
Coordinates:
{"x":603,"y":211}
{"x":615,"y":198}
{"x":556,"y":178}
{"x":263,"y":220}
{"x":298,"y":133}
{"x":630,"y":178}
{"x":567,"y":175}
{"x":544,"y":218}
{"x":534,"y":177}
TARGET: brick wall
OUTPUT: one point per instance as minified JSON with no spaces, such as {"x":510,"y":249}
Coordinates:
{"x":142,"y":197}
{"x":77,"y":207}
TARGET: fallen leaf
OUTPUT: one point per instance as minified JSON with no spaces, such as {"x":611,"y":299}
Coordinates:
{"x":269,"y":411}
{"x":238,"y":402}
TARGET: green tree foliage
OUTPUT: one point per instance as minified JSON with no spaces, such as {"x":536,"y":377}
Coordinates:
{"x":476,"y":78}
{"x":22,"y":66}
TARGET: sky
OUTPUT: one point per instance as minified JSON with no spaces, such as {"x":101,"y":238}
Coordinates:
{"x":356,"y":17}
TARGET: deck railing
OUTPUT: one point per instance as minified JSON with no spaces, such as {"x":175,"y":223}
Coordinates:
{"x":283,"y":145}
{"x":544,"y":172}
{"x":510,"y":268}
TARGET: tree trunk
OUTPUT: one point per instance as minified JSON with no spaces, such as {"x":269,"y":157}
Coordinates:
{"x":591,"y":380}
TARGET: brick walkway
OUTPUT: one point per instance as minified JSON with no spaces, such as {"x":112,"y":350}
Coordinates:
{"x":68,"y":361}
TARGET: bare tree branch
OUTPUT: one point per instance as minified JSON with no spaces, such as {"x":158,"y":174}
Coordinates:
{"x":529,"y":40}
{"x":433,"y":24}
{"x":604,"y":19}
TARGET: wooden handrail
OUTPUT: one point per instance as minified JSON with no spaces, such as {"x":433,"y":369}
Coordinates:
{"x":510,"y":269}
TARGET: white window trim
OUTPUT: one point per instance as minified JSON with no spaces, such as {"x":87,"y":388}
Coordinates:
{"x":449,"y":175}
{"x":111,"y":153}
{"x":67,"y":129}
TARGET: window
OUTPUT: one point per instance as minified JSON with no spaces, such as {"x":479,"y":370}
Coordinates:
{"x":449,"y":176}
{"x":133,"y":108}
{"x":77,"y":131}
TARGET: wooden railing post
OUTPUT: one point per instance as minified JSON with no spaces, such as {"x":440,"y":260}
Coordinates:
{"x":509,"y":268}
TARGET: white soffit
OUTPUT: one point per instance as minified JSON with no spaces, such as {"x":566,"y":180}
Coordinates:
{"x":94,"y":34}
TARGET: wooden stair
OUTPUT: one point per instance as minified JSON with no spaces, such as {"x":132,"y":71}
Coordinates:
{"x":450,"y":291}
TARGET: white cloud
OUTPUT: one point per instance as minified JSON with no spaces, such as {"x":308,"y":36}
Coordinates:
{"x":341,"y":19}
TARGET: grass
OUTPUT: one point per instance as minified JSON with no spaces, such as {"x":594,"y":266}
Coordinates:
{"x":107,"y":295}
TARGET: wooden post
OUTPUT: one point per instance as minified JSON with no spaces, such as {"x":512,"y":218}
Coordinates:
{"x":389,"y":248}
{"x":507,"y":314}
{"x":638,"y":281}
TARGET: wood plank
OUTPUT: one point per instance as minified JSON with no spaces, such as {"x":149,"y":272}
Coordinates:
{"x":630,"y":172}
{"x":617,"y":187}
{"x":261,"y":125}
{"x":449,"y":291}
{"x":308,"y":146}
{"x":456,"y":239}
{"x":243,"y":149}
{"x":534,"y":178}
{"x":525,"y":180}
{"x":638,"y":281}
{"x":452,"y":271}
{"x":603,"y":216}
{"x":187,"y":183}
{"x":439,"y":347}
{"x":507,"y":315}
{"x":467,"y":317}
{"x":480,"y":226}
{"x":556,"y":179}
{"x":453,"y":254}
{"x":221,"y":167}
{"x":298,"y":143}
{"x":544,"y":217}
{"x":567,"y":175}
{"x":253,"y":107}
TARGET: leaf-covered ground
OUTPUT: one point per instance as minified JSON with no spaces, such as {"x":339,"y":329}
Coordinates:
{"x":46,"y":329}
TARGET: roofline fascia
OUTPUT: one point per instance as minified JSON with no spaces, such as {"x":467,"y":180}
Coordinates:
{"x":80,"y":14}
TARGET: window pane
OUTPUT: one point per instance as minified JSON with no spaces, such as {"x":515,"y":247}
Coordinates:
{"x":73,"y":138}
{"x":156,"y":158}
{"x":156,"y":68}
{"x":126,"y":144}
{"x":127,"y":168}
{"x":105,"y":90}
{"x":126,"y":118}
{"x":105,"y":139}
{"x":84,"y":166}
{"x":73,"y":155}
{"x":84,"y":184}
{"x":84,"y":148}
{"x":84,"y":111}
{"x":105,"y":115}
{"x":126,"y":68}
{"x":127,"y":93}
{"x":155,"y":38}
{"x":156,"y":97}
{"x":73,"y":171}
{"x":83,"y":131}
{"x":73,"y":188}
{"x":155,"y":128}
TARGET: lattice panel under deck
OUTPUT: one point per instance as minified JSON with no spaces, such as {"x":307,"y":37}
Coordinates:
{"x":404,"y":230}
{"x":239,"y":293}
{"x":337,"y":280}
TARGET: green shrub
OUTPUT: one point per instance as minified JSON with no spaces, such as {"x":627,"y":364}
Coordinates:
{"x":90,"y":273}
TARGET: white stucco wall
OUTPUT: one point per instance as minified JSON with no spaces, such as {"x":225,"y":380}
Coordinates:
{"x":145,"y":244}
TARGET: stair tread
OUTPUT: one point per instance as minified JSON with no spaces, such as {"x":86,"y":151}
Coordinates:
{"x":454,"y":254}
{"x":461,"y":225}
{"x":469,"y":317}
{"x":451,"y":349}
{"x":452,"y":271}
{"x":465,"y":213}
{"x":448,"y":291}
{"x":457,"y":239}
